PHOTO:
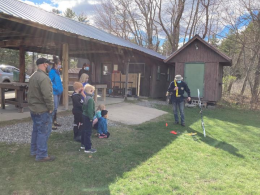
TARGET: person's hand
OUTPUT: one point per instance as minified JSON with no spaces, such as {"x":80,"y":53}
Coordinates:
{"x":50,"y":111}
{"x":189,"y":99}
{"x":176,"y":88}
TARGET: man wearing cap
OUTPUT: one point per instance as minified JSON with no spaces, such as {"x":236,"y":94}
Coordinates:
{"x":177,"y":88}
{"x":40,"y":103}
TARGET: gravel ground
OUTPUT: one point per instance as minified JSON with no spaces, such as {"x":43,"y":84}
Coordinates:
{"x":151,"y":103}
{"x":21,"y":132}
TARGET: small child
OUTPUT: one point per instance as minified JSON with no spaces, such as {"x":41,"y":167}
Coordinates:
{"x":88,"y":114}
{"x":102,"y":125}
{"x":98,"y":115}
{"x":77,"y":109}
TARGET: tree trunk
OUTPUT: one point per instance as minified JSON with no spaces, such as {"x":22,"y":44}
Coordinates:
{"x":256,"y":85}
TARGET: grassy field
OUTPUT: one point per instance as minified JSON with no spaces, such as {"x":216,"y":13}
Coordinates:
{"x":146,"y":159}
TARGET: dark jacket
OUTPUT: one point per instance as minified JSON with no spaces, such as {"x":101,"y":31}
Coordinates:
{"x":40,"y":97}
{"x":181,"y":88}
{"x":77,"y":102}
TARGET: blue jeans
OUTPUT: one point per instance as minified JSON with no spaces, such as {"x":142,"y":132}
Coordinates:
{"x":40,"y":134}
{"x":56,"y":99}
{"x":178,"y":106}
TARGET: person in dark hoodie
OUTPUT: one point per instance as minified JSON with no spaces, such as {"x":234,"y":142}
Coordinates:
{"x":177,"y":89}
{"x":77,"y":102}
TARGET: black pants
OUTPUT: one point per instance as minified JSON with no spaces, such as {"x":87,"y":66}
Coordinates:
{"x":77,"y":129}
{"x":86,"y":132}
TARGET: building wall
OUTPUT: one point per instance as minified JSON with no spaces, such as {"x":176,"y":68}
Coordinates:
{"x":202,"y":54}
{"x":213,"y":69}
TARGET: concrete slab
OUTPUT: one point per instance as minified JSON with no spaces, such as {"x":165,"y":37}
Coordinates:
{"x":11,"y":112}
{"x":132,"y":114}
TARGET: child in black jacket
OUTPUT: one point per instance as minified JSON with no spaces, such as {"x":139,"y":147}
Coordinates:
{"x":77,"y":109}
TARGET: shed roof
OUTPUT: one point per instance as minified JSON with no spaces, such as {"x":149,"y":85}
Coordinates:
{"x":197,"y":37}
{"x":37,"y":15}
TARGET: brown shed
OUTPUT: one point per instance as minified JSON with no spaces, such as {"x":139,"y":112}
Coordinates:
{"x":201,"y":65}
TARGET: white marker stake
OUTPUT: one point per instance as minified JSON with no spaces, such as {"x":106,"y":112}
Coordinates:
{"x":202,"y":122}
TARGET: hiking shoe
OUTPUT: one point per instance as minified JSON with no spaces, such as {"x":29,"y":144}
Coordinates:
{"x":46,"y":159}
{"x":102,"y":136}
{"x":56,"y":124}
{"x":54,"y":127}
{"x":92,"y":150}
{"x":183,"y":124}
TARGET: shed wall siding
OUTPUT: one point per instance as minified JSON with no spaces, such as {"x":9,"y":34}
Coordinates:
{"x":211,"y":82}
{"x":179,"y":68}
{"x":219,"y":84}
{"x":202,"y":54}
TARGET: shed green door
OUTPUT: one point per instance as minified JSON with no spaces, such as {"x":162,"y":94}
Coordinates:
{"x":194,"y":77}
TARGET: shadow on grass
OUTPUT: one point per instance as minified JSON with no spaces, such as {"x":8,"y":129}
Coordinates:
{"x":193,"y":116}
{"x":216,"y":143}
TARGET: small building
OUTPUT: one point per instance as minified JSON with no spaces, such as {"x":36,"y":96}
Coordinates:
{"x":201,"y":66}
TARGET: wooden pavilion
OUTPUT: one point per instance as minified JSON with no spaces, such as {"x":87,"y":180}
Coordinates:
{"x":27,"y":28}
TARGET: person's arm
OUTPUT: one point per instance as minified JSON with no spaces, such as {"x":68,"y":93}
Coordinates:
{"x":46,"y":90}
{"x":186,"y":88}
{"x":52,"y":78}
{"x":170,"y":88}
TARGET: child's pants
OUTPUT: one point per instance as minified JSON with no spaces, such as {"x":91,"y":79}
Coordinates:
{"x":86,"y":133}
{"x":77,"y":129}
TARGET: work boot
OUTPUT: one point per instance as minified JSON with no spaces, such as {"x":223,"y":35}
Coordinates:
{"x":54,"y":127}
{"x":56,"y":124}
{"x":46,"y":159}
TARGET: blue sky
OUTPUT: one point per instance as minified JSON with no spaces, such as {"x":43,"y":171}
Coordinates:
{"x":88,"y":7}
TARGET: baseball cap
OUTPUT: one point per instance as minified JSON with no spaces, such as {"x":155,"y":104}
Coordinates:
{"x":42,"y":61}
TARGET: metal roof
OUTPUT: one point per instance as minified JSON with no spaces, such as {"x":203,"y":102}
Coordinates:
{"x":31,"y":13}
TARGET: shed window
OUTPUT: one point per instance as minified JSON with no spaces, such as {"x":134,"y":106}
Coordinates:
{"x":158,"y":73}
{"x":115,"y":67}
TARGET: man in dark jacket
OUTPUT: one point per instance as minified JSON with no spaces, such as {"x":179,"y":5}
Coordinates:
{"x":177,"y":88}
{"x":40,"y":103}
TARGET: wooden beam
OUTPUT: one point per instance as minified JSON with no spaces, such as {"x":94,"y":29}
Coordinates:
{"x":65,"y":74}
{"x":93,"y":52}
{"x":22,"y":64}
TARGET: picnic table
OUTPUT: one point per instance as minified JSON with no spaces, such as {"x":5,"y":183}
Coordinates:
{"x":20,"y":100}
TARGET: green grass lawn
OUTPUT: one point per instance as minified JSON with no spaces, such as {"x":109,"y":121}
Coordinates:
{"x":146,"y":159}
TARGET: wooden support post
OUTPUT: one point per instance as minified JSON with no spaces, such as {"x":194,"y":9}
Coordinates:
{"x":22,"y":64}
{"x":126,"y":78}
{"x":138,"y":84}
{"x":65,"y":75}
